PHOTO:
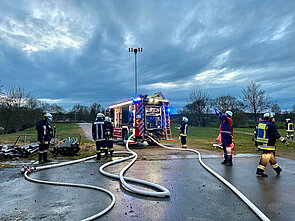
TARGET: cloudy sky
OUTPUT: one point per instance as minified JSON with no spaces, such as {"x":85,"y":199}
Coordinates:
{"x":70,"y":52}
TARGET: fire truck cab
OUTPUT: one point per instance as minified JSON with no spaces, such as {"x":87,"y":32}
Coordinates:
{"x":142,"y":115}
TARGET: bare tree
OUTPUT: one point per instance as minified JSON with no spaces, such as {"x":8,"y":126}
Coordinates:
{"x":255,"y":99}
{"x":16,"y":97}
{"x":198,"y":106}
{"x":227,"y":102}
{"x":275,"y":108}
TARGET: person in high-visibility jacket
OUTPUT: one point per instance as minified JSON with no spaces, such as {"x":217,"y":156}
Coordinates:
{"x":109,"y":135}
{"x":45,"y":134}
{"x":183,"y":131}
{"x":289,"y":129}
{"x":226,"y":131}
{"x":98,"y":134}
{"x":267,"y":134}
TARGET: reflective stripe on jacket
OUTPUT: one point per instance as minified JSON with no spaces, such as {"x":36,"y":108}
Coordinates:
{"x":183,"y":129}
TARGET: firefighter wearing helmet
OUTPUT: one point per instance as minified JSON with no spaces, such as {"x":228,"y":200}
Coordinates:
{"x":289,"y":128}
{"x":226,"y":131}
{"x":109,"y":135}
{"x":45,"y":134}
{"x":98,"y":134}
{"x":267,"y":134}
{"x":183,"y":131}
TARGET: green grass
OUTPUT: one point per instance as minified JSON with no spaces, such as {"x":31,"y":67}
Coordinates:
{"x":63,"y":130}
{"x":204,"y":137}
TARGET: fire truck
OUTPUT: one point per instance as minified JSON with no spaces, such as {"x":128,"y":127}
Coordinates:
{"x":142,"y":116}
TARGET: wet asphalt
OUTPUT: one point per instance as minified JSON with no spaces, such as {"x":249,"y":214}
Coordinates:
{"x":195,"y":193}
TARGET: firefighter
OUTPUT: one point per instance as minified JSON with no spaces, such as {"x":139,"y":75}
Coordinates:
{"x":289,"y":129}
{"x":267,"y":134}
{"x":226,"y":131}
{"x":45,"y":134}
{"x":109,"y":135}
{"x":98,"y":134}
{"x":183,"y":131}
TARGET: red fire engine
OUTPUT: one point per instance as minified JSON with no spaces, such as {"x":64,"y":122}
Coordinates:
{"x":142,"y":115}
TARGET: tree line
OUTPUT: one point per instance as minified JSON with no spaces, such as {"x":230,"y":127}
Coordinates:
{"x":19,"y":110}
{"x":246,"y":109}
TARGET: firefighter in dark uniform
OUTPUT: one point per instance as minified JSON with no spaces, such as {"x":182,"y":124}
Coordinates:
{"x":267,"y":134}
{"x":109,"y":135}
{"x":289,"y":129}
{"x":226,"y":132}
{"x":98,"y":134}
{"x":183,"y":131}
{"x":45,"y":134}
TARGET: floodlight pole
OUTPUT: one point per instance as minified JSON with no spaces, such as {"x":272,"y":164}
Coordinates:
{"x":135,"y":50}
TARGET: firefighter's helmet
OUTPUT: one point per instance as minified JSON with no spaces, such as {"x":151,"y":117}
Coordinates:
{"x":229,"y":113}
{"x":184,"y":119}
{"x":108,"y":119}
{"x":100,"y":116}
{"x":268,"y":115}
{"x":48,"y":116}
{"x":288,"y":119}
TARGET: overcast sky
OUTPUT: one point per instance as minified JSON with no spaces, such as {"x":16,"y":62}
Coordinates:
{"x":70,"y":52}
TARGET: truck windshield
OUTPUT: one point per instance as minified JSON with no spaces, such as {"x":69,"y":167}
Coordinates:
{"x":153,"y":117}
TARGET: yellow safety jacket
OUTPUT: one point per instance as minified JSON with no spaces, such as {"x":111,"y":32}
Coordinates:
{"x":290,"y":127}
{"x":263,"y":137}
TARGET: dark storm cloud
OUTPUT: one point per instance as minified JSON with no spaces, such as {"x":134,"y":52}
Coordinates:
{"x":77,"y":51}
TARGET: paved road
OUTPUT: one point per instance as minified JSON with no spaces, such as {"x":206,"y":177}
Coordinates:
{"x":195,"y":194}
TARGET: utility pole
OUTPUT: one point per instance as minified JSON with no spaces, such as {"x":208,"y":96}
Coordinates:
{"x":135,"y":50}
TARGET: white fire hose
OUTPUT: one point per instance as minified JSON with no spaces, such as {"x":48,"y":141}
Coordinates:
{"x":162,"y":193}
{"x":73,"y":184}
{"x":228,"y":184}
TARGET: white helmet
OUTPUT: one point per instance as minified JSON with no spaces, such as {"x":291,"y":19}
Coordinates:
{"x":100,"y":116}
{"x":288,"y":119}
{"x":184,"y":119}
{"x":48,"y":116}
{"x":268,"y":115}
{"x":229,"y":113}
{"x":108,"y":119}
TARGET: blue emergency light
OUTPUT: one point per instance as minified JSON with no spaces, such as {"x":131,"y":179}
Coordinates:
{"x":136,"y":99}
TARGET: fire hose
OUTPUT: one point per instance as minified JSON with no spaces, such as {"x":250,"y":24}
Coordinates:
{"x":163,"y":191}
{"x":228,"y":184}
{"x":27,"y":171}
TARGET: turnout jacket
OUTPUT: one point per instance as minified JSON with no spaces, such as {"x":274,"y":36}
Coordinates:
{"x":183,"y":129}
{"x":226,"y":125}
{"x":290,"y":127}
{"x":109,"y":130}
{"x":267,"y":134}
{"x":44,"y":130}
{"x":98,"y":130}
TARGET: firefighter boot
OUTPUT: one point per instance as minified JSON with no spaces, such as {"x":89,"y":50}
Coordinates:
{"x":41,"y":158}
{"x":106,"y":153}
{"x":45,"y":158}
{"x":225,"y":159}
{"x":230,"y":161}
{"x":260,"y":172}
{"x":278,"y":170}
{"x":98,"y":156}
{"x":111,"y":153}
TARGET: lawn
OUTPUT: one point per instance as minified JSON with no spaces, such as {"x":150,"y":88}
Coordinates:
{"x":203,"y":138}
{"x":63,"y":130}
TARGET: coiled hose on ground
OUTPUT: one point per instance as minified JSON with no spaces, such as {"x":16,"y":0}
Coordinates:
{"x":163,"y":192}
